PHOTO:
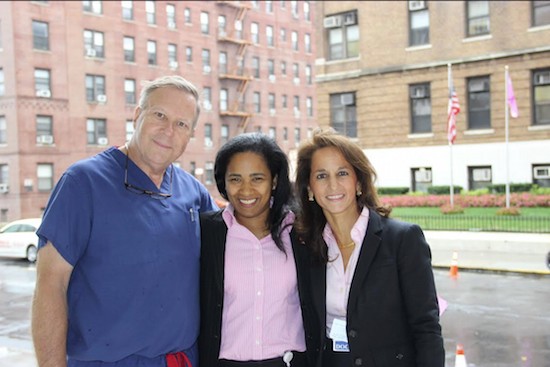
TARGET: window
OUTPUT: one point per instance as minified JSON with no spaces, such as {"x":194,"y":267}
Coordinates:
{"x":419,"y":22}
{"x":187,"y":15}
{"x":257,"y":102}
{"x":294,"y":40}
{"x":269,"y":36}
{"x":283,"y":34}
{"x":307,"y":12}
{"x":271,"y":69}
{"x":296,"y":100}
{"x":421,"y":179}
{"x":172,"y":56}
{"x":478,"y":18}
{"x":44,"y":176}
{"x":254,"y":32}
{"x":93,"y":44}
{"x":541,"y":95}
{"x":92,"y":7}
{"x":342,"y":36}
{"x":193,"y":168}
{"x":541,"y":175}
{"x":343,"y":117}
{"x":4,"y":174}
{"x":272,"y":132}
{"x":207,"y":98}
{"x":2,"y":83}
{"x":206,"y":69}
{"x":152,"y":52}
{"x":127,"y":10}
{"x":189,"y":54}
{"x":96,"y":131}
{"x":256,"y":66}
{"x":268,"y":6}
{"x":129,"y":49}
{"x":285,"y":133}
{"x":541,"y":13}
{"x":283,"y":67}
{"x":205,"y":23}
{"x":95,"y":88}
{"x":296,"y":72}
{"x":130,"y":91}
{"x":208,"y":135}
{"x":40,"y":35}
{"x":44,"y":129}
{"x":238,"y":32}
{"x":309,"y":106}
{"x":171,"y":16}
{"x":255,"y":4}
{"x":224,"y":134}
{"x":222,"y":26}
{"x":479,"y":177}
{"x":294,"y":9}
{"x":3,"y":130}
{"x":129,"y":129}
{"x":297,"y":136}
{"x":224,"y":95}
{"x":421,"y":108}
{"x":42,"y":83}
{"x":271,"y":102}
{"x":209,"y":173}
{"x":284,"y":103}
{"x":307,"y":42}
{"x":151,"y":12}
{"x":479,"y":103}
{"x":308,"y":74}
{"x":222,"y":62}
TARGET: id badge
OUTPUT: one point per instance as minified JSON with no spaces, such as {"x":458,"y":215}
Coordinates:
{"x":339,"y":336}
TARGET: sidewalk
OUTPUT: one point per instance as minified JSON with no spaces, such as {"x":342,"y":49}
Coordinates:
{"x":491,"y":251}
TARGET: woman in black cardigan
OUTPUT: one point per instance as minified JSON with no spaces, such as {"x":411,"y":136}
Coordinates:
{"x":255,"y":308}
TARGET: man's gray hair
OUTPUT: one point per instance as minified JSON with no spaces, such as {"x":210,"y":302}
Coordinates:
{"x":174,"y":81}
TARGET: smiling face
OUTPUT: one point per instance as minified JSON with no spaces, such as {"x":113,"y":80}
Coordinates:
{"x":333,"y":182}
{"x":248,"y":183}
{"x":163,"y":128}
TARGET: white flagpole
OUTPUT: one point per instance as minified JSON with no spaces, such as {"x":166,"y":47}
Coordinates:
{"x":450,"y":143}
{"x":506,"y":135}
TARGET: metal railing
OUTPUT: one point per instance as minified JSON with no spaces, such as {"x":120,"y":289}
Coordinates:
{"x":458,"y":222}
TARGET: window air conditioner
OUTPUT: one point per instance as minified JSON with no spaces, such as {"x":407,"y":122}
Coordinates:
{"x":173,"y":64}
{"x":542,"y":172}
{"x":101,"y":98}
{"x":4,"y":188}
{"x":207,"y":105}
{"x":272,"y":112}
{"x":417,"y":5}
{"x":272,"y":78}
{"x":347,"y":99}
{"x":44,"y":93}
{"x":102,"y":141}
{"x":296,"y":81}
{"x":171,"y":24}
{"x":206,"y":69}
{"x":542,"y":78}
{"x":332,"y":22}
{"x":208,"y":143}
{"x":423,"y":175}
{"x":90,"y":52}
{"x":350,"y":19}
{"x":44,"y":139}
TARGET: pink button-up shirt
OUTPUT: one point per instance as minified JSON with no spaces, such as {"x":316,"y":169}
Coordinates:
{"x":338,"y":280}
{"x":261,"y":315}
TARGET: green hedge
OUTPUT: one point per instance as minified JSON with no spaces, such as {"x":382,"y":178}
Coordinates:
{"x":392,"y":190}
{"x":443,"y":190}
{"x":514,"y":187}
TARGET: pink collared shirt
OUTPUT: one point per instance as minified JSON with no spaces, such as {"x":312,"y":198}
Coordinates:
{"x":261,"y":315}
{"x":338,"y":280}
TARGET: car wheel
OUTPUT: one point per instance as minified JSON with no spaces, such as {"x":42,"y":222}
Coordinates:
{"x":32,"y":253}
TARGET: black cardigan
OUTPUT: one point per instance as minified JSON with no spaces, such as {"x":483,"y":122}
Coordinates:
{"x":213,"y":236}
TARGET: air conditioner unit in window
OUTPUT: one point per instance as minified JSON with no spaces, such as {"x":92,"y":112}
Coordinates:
{"x":4,"y":188}
{"x":296,"y":81}
{"x":102,"y":141}
{"x":542,"y":78}
{"x":173,"y":64}
{"x":350,"y":19}
{"x":332,"y":22}
{"x":423,"y":175}
{"x":44,"y":139}
{"x":542,"y":172}
{"x":90,"y":52}
{"x":272,"y":112}
{"x":171,"y":24}
{"x":207,"y":105}
{"x":208,"y":143}
{"x":482,"y":174}
{"x":44,"y":93}
{"x":347,"y":99}
{"x":272,"y":78}
{"x":206,"y":69}
{"x":101,"y":98}
{"x":296,"y":113}
{"x":417,"y":5}
{"x":418,"y":92}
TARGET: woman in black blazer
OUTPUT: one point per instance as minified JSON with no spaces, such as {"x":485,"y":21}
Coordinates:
{"x":372,"y":280}
{"x":255,"y":307}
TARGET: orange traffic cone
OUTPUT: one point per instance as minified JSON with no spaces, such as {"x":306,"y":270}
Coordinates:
{"x":454,"y":266}
{"x":460,"y":359}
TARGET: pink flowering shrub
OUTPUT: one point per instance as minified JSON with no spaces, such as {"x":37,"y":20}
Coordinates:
{"x":481,"y":201}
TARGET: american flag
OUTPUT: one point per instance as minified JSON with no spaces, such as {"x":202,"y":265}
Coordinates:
{"x":453,"y":110}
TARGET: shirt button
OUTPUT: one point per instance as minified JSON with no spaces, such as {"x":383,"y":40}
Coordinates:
{"x":358,"y":362}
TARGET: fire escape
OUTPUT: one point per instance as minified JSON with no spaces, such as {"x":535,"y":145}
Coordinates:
{"x":234,"y":71}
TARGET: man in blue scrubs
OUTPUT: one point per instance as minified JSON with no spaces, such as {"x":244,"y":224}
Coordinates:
{"x":118,"y":265}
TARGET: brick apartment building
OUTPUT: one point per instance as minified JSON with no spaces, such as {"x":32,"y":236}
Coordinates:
{"x":71,"y":72}
{"x":382,"y":78}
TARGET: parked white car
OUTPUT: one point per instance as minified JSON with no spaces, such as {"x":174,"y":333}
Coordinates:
{"x":18,"y":239}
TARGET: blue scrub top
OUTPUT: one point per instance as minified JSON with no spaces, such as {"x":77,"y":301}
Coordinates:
{"x":133,"y":295}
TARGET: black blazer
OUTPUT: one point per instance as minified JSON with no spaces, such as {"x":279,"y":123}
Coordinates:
{"x":392,"y":314}
{"x":213,"y":236}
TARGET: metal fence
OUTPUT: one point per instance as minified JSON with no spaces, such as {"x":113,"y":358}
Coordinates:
{"x":459,"y":222}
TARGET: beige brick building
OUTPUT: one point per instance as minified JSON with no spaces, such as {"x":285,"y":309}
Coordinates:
{"x":71,"y":72}
{"x":382,"y":78}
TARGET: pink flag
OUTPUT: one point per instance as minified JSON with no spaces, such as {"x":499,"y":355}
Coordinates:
{"x":452,"y":110}
{"x":511,"y":98}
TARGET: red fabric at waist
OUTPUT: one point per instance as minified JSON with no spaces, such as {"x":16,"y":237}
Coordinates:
{"x":178,"y":359}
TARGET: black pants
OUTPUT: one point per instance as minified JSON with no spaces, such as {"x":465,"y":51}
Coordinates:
{"x":335,"y":359}
{"x":298,"y":360}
